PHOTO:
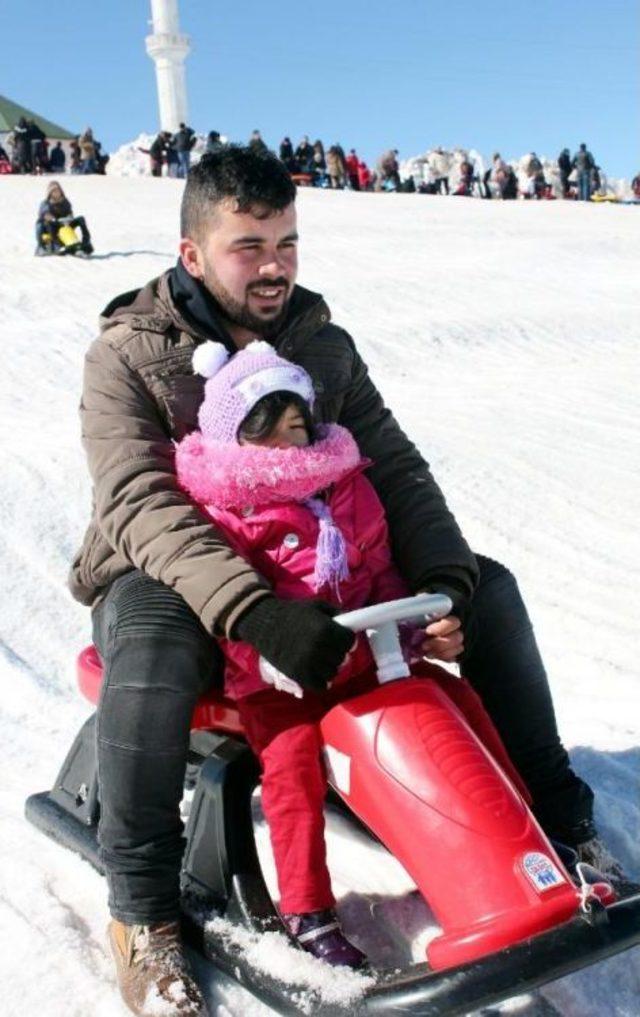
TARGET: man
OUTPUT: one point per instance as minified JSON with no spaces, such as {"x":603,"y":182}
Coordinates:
{"x":163,"y":583}
{"x":22,"y":147}
{"x":304,"y":155}
{"x":156,"y":152}
{"x":57,"y":158}
{"x":183,"y":141}
{"x":583,"y":163}
{"x":564,"y":168}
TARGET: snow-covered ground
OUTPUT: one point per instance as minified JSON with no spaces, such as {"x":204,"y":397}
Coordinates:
{"x":505,"y":335}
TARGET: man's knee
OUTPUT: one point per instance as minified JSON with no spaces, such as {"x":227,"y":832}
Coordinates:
{"x":497,"y":587}
{"x":148,"y":635}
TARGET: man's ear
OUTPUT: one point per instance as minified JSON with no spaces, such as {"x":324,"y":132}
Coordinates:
{"x":191,"y":257}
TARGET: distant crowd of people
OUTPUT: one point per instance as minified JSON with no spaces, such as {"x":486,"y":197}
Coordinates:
{"x":28,"y":150}
{"x":311,"y":164}
{"x":439,"y":172}
{"x":586,"y":181}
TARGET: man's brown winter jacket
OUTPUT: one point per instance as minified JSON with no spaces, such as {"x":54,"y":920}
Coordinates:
{"x":140,"y":395}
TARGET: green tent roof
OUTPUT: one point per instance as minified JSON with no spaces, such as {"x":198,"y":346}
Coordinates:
{"x":10,"y":113}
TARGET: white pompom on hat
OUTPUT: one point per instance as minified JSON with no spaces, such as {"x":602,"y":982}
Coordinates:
{"x":208,"y":358}
{"x":236,"y":383}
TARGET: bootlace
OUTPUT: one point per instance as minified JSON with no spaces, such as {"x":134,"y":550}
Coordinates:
{"x":155,"y":941}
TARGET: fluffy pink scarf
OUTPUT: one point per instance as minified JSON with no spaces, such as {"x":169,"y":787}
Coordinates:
{"x":232,"y":476}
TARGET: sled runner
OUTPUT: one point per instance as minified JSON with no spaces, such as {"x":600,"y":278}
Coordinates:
{"x":406,"y":763}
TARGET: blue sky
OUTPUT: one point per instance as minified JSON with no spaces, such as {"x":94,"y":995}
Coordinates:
{"x":373,"y":74}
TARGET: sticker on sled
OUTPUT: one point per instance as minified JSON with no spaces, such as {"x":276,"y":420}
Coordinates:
{"x":541,"y":871}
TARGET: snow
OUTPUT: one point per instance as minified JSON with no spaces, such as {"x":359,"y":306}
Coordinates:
{"x":505,"y":336}
{"x":272,"y":954}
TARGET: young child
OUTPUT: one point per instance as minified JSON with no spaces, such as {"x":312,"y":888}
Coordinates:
{"x":292,"y":499}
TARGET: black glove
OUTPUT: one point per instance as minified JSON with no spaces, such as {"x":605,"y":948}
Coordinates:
{"x":457,"y":590}
{"x":298,"y":637}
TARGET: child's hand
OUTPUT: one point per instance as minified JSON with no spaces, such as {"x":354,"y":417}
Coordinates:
{"x":445,"y":639}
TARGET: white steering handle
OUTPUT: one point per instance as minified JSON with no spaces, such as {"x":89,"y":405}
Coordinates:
{"x":429,"y":606}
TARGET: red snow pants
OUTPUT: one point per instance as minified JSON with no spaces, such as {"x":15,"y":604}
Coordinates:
{"x":283,"y":732}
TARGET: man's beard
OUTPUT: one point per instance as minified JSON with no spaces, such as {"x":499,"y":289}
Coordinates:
{"x":240,"y":314}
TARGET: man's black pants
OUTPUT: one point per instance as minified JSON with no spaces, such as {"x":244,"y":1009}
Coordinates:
{"x":158,"y":659}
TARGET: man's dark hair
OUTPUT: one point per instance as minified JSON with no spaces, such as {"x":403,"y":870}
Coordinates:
{"x":254,"y":179}
{"x":262,"y":419}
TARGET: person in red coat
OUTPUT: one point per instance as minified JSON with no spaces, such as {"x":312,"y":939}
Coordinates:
{"x":291,"y":497}
{"x":352,"y":162}
{"x":364,"y":176}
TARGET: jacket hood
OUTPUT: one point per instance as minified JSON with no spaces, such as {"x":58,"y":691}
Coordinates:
{"x":231,"y":476}
{"x":153,"y":309}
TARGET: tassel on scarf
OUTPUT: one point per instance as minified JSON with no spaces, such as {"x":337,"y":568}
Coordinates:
{"x":331,"y":550}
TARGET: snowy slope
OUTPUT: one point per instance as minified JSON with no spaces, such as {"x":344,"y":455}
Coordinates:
{"x":505,"y":335}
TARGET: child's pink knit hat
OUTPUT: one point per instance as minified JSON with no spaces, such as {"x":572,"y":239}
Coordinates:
{"x":235,"y":384}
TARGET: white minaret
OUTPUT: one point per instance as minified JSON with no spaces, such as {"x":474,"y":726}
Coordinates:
{"x":168,"y":49}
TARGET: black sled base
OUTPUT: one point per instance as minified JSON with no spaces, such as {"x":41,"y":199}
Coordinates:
{"x":222,"y":878}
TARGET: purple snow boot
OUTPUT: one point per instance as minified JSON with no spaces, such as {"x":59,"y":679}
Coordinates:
{"x":319,"y":933}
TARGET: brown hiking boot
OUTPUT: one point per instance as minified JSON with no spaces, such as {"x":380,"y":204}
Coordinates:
{"x":153,"y":972}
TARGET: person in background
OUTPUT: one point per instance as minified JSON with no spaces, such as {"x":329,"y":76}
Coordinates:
{"x":214,"y":142}
{"x":584,"y":163}
{"x":184,"y":139}
{"x":5,"y":163}
{"x":88,"y":161}
{"x":319,"y":159}
{"x":388,"y":171}
{"x":39,"y":147}
{"x":635,"y":186}
{"x":465,"y":183}
{"x":507,"y":182}
{"x":364,"y":176}
{"x":257,"y":142}
{"x":156,"y":153}
{"x":102,"y":158}
{"x":304,"y":155}
{"x":57,"y":158}
{"x":286,"y":155}
{"x":54,"y":211}
{"x":75,"y":156}
{"x":503,"y":178}
{"x":170,"y":155}
{"x":336,"y":168}
{"x":536,"y":182}
{"x":564,"y":168}
{"x":351,"y":163}
{"x":21,"y":147}
{"x":440,"y":162}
